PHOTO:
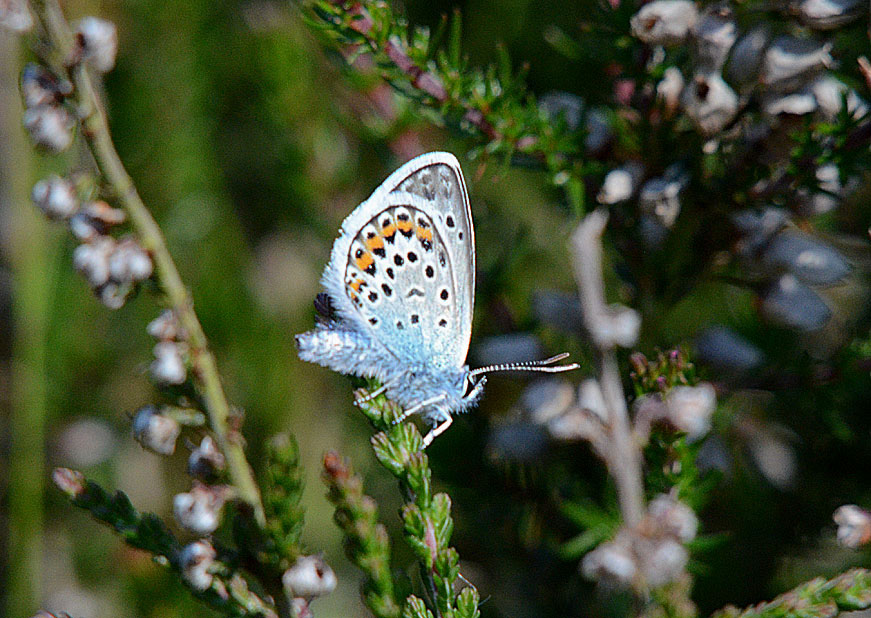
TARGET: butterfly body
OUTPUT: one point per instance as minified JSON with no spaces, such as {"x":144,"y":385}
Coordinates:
{"x":400,"y":291}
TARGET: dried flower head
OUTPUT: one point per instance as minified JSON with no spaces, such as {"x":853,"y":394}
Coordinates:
{"x":96,"y":42}
{"x":56,"y":197}
{"x":664,"y":22}
{"x":690,"y":408}
{"x":92,"y":260}
{"x":50,"y":127}
{"x":854,"y":526}
{"x":39,"y":86}
{"x":168,"y":366}
{"x":709,"y":102}
{"x":15,"y":16}
{"x":196,"y":559}
{"x":309,"y":577}
{"x":206,"y":461}
{"x":155,"y":431}
{"x":199,"y":510}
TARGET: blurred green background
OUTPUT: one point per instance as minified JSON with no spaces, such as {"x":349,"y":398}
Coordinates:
{"x":250,"y":144}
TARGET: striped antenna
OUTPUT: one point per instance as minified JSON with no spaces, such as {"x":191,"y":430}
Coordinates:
{"x":539,"y":366}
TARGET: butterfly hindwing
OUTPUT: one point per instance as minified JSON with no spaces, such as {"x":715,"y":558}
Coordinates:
{"x":403,"y":268}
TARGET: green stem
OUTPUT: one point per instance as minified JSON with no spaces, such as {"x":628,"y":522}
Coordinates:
{"x":95,"y":130}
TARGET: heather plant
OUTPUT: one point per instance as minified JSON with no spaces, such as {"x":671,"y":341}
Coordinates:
{"x":690,"y":221}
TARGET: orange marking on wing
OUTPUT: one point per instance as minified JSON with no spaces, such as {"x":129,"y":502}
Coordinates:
{"x":364,"y":261}
{"x":424,"y":233}
{"x":374,"y":243}
{"x":389,"y":230}
{"x":404,"y":226}
{"x":355,"y":285}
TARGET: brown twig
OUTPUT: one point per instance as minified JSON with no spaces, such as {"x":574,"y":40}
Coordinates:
{"x":609,"y":326}
{"x":95,"y":130}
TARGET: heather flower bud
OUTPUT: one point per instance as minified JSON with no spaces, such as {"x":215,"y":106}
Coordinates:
{"x":590,"y":398}
{"x":113,"y":295}
{"x":670,"y":88}
{"x":791,"y":62}
{"x":50,"y":127}
{"x":199,"y":510}
{"x":39,"y":86}
{"x":746,"y":57}
{"x":196,"y":559}
{"x":715,"y":33}
{"x":15,"y":16}
{"x":206,"y":462}
{"x":673,"y":518}
{"x":664,"y":22}
{"x":309,"y":577}
{"x":97,"y":41}
{"x":663,"y":562}
{"x":547,"y":399}
{"x":831,"y":93}
{"x":621,"y":183}
{"x":710,"y":103}
{"x":796,"y":104}
{"x":155,"y":431}
{"x":129,"y":262}
{"x":165,"y":326}
{"x":613,"y":561}
{"x":854,"y":526}
{"x":92,"y":260}
{"x":828,"y":14}
{"x":168,"y":366}
{"x":689,"y":409}
{"x":84,"y":228}
{"x":56,"y":197}
{"x":660,"y":196}
{"x":72,"y":483}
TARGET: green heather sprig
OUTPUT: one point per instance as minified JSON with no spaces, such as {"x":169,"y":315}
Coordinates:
{"x":426,"y":516}
{"x":282,"y":490}
{"x":366,"y":542}
{"x":817,"y":598}
{"x":491,"y":105}
{"x":209,"y":579}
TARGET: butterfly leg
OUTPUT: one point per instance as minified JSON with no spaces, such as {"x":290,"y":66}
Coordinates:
{"x":417,"y":408}
{"x":437,"y":431}
{"x":381,"y":389}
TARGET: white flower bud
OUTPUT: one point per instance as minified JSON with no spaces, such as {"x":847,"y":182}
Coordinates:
{"x":854,"y":526}
{"x":129,"y":262}
{"x":664,"y":562}
{"x":613,"y":561}
{"x":796,"y":104}
{"x":715,"y":33}
{"x":546,"y":399}
{"x":206,"y":461}
{"x":39,"y":86}
{"x":113,"y":295}
{"x":621,"y":183}
{"x":791,"y":62}
{"x":199,"y":510}
{"x":92,"y":260}
{"x":673,"y":518}
{"x":98,"y":42}
{"x":165,"y":326}
{"x":828,"y":14}
{"x":670,"y":88}
{"x":664,"y":22}
{"x":660,"y":196}
{"x":590,"y":398}
{"x":309,"y":577}
{"x":830,"y":93}
{"x":84,"y":228}
{"x":56,"y":197}
{"x":50,"y":126}
{"x":195,"y":560}
{"x":168,"y":366}
{"x":155,"y":431}
{"x":15,"y":16}
{"x":689,"y":409}
{"x":710,"y":103}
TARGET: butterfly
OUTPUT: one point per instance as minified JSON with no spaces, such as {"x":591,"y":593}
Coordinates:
{"x":399,"y":295}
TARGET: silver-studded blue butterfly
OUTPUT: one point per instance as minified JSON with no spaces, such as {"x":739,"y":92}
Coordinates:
{"x":400,"y":291}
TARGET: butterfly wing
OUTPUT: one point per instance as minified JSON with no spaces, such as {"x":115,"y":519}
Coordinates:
{"x":403,"y":267}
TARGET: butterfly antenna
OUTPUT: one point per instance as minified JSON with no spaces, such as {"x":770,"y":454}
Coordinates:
{"x":541,"y":366}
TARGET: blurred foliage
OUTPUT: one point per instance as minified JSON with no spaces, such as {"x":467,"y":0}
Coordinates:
{"x":250,"y":144}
